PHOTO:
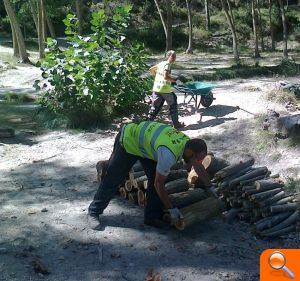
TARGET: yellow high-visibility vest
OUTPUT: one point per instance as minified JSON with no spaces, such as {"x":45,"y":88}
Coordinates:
{"x":161,"y":85}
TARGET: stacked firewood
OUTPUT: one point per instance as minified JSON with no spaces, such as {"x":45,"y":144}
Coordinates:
{"x":195,"y":203}
{"x":253,"y":195}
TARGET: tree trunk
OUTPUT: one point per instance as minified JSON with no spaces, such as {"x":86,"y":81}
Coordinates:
{"x":41,"y":28}
{"x":234,"y":168}
{"x":230,"y":19}
{"x":167,"y":23}
{"x":183,"y":199}
{"x":285,"y":35}
{"x":177,"y":186}
{"x":261,"y":30}
{"x":285,"y":223}
{"x":254,"y":24}
{"x":271,"y":221}
{"x":34,"y":13}
{"x":207,"y":15}
{"x":212,"y":164}
{"x":265,"y":185}
{"x":200,"y":211}
{"x":78,"y":5}
{"x":251,"y":175}
{"x":50,"y":26}
{"x":177,"y":174}
{"x":271,"y":26}
{"x":16,"y":28}
{"x":15,"y":42}
{"x":189,"y":50}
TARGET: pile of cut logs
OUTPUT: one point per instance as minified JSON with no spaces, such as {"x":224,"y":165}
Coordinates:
{"x":253,"y":195}
{"x":196,"y":204}
{"x":249,"y":193}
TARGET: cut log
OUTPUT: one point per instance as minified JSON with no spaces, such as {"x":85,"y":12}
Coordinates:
{"x":137,"y":167}
{"x":200,"y":211}
{"x":129,"y":185}
{"x":177,"y":174}
{"x":251,"y":175}
{"x":101,"y":168}
{"x":141,"y":198}
{"x":282,"y":126}
{"x":189,"y":197}
{"x":261,"y":195}
{"x":281,"y":232}
{"x":230,"y":215}
{"x":139,"y":182}
{"x":283,"y":224}
{"x":134,"y":175}
{"x":265,"y":185}
{"x":192,"y":176}
{"x":283,"y":208}
{"x":213,"y":164}
{"x":145,"y":184}
{"x":272,"y":200}
{"x":285,"y":200}
{"x":269,"y":222}
{"x":251,"y":181}
{"x":133,"y":197}
{"x":233,"y":169}
{"x":177,"y":186}
{"x":7,"y":133}
{"x":123,"y":192}
{"x":225,"y":181}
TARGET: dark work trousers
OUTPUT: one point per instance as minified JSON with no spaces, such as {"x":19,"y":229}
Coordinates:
{"x":157,"y":102}
{"x":120,"y":163}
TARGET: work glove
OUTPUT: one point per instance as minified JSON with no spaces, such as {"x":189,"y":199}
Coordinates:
{"x":175,"y":214}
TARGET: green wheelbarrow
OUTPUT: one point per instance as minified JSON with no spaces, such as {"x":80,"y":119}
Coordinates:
{"x":199,"y":92}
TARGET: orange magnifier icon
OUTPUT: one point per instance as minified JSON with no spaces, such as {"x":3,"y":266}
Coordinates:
{"x":277,"y":261}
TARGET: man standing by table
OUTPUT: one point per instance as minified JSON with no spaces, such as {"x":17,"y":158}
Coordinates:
{"x":158,"y":147}
{"x":162,"y":90}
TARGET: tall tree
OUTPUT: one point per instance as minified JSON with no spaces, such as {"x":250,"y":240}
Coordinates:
{"x":254,"y":23}
{"x":16,"y":31}
{"x":41,"y":28}
{"x":285,"y":35}
{"x":228,"y":13}
{"x":261,"y":29}
{"x":207,"y":14}
{"x":79,"y":7}
{"x":189,"y":10}
{"x":271,"y":26}
{"x":167,"y":23}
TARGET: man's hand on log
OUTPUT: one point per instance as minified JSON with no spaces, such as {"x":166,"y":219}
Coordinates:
{"x":175,"y":214}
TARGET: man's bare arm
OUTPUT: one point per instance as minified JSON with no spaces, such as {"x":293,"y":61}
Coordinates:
{"x":159,"y":185}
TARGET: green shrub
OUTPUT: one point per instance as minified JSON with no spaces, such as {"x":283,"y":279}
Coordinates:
{"x":97,"y":76}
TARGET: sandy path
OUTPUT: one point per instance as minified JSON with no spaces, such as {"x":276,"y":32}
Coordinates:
{"x":47,"y":182}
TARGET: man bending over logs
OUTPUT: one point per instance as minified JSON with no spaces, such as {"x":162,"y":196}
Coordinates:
{"x":158,"y":147}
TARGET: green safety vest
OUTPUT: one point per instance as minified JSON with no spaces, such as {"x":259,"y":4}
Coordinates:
{"x":143,"y":139}
{"x":161,"y":85}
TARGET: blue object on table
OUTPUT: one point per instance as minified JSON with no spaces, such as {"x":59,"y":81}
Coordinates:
{"x":195,"y":89}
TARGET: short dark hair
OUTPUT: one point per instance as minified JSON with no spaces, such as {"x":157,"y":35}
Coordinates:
{"x":196,"y":145}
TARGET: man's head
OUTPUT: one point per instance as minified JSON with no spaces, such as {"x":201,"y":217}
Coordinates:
{"x":171,"y":56}
{"x":194,"y":151}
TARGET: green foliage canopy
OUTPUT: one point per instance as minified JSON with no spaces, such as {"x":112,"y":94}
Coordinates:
{"x":97,"y":76}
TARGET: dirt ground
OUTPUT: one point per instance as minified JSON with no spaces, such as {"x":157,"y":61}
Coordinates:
{"x":48,"y":180}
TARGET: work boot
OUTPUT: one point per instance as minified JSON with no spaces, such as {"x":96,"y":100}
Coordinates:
{"x":179,"y":125}
{"x":93,"y":222}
